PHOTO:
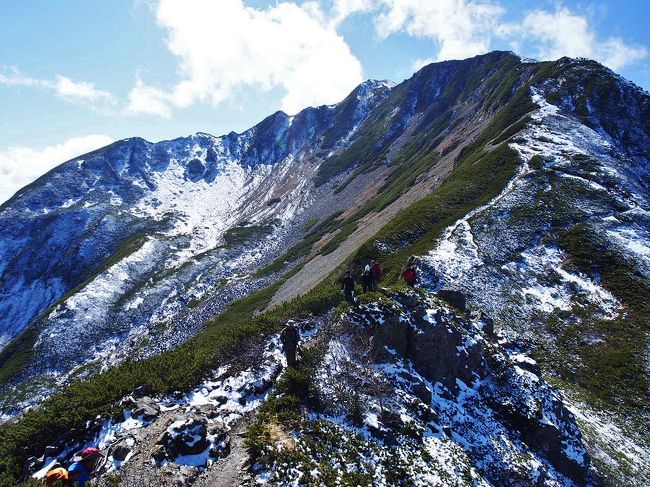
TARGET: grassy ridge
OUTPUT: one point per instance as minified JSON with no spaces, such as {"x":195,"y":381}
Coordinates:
{"x":612,"y":369}
{"x":414,"y":230}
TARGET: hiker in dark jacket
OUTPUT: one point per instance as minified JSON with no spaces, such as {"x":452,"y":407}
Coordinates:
{"x":347,"y":284}
{"x":290,"y":337}
{"x":377,"y":274}
{"x":81,"y":470}
{"x":366,"y":279}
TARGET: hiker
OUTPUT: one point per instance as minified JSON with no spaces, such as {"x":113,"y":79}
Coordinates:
{"x":80,"y":471}
{"x":57,"y":477}
{"x":410,"y":275}
{"x":290,"y":337}
{"x":347,"y":284}
{"x":377,"y":274}
{"x":366,"y":279}
{"x":410,"y":272}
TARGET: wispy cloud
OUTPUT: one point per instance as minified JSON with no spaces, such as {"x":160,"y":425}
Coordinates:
{"x":62,"y":86}
{"x":80,"y":90}
{"x":22,"y":165}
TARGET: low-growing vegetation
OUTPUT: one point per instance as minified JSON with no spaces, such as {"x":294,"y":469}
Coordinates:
{"x":245,"y":233}
{"x":178,"y":369}
{"x":611,"y":366}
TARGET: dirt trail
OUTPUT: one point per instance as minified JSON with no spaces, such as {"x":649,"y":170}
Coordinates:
{"x":321,"y":265}
{"x":233,"y":469}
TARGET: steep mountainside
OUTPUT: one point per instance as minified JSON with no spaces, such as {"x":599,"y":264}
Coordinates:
{"x":523,"y":190}
{"x":132,"y":247}
{"x":106,"y":252}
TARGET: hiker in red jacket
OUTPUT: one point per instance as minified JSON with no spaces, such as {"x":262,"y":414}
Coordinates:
{"x":410,"y":275}
{"x":377,"y":274}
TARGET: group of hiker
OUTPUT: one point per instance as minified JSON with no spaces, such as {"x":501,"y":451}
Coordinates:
{"x":79,"y":472}
{"x":370,"y":279}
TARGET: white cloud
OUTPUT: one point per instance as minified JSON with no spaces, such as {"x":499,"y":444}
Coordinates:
{"x":16,"y":78}
{"x":462,"y":28}
{"x":564,"y":33}
{"x":342,"y":9}
{"x":62,"y":86}
{"x":20,"y":166}
{"x":66,"y":88}
{"x":419,"y":63}
{"x":147,"y":100}
{"x":224,"y":46}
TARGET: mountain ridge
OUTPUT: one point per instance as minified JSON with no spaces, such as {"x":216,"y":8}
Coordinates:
{"x":445,"y":149}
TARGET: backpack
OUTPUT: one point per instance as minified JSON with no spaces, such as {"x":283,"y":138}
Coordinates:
{"x":410,"y":275}
{"x":57,"y":477}
{"x":376,"y":271}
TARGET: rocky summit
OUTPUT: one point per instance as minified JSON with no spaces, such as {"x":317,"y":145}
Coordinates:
{"x":144,"y":288}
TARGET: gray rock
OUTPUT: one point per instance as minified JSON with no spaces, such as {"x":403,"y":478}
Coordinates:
{"x":158,"y":453}
{"x":120,"y":452}
{"x":147,"y":408}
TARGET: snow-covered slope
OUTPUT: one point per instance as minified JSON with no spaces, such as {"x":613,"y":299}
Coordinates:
{"x":582,"y":174}
{"x":106,"y":250}
{"x":127,"y":251}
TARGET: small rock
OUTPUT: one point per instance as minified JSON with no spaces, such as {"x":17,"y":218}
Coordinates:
{"x":141,"y":391}
{"x":120,"y":452}
{"x":422,"y":392}
{"x":190,"y":473}
{"x":158,"y":453}
{"x":147,"y":408}
{"x":220,"y":400}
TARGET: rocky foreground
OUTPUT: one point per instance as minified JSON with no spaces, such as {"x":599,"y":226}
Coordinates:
{"x":404,"y":388}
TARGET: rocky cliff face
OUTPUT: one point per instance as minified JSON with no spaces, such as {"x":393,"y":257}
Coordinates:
{"x":420,"y":394}
{"x":418,"y":391}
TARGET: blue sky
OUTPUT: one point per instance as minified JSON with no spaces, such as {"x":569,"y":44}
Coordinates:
{"x":75,"y":75}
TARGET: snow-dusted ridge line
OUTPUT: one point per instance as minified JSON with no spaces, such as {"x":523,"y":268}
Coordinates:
{"x":457,"y":256}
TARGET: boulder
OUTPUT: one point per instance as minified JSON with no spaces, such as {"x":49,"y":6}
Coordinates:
{"x":158,"y":453}
{"x":141,"y":391}
{"x":187,"y":437}
{"x":121,"y":451}
{"x":455,"y":298}
{"x":221,"y":448}
{"x":147,"y":408}
{"x":422,"y":392}
{"x":526,"y":363}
